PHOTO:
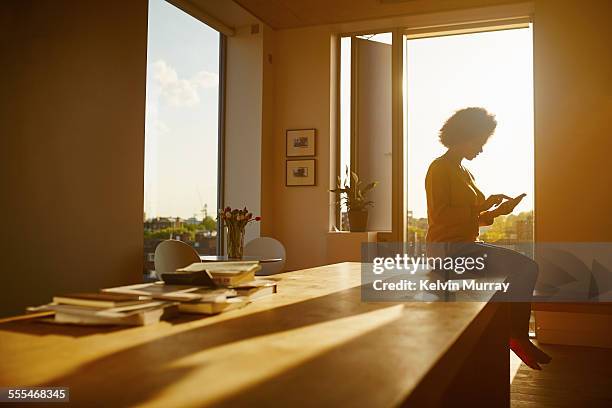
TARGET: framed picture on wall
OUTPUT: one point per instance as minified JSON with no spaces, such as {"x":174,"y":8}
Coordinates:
{"x":301,"y":173}
{"x":301,"y":142}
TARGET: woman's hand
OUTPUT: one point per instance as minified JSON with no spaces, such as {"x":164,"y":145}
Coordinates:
{"x":487,"y":217}
{"x":495,"y":199}
{"x":507,"y":207}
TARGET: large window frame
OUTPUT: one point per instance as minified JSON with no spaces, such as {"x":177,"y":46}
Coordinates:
{"x":455,"y":24}
{"x":223,"y":31}
{"x":397,"y":161}
{"x":221,"y":141}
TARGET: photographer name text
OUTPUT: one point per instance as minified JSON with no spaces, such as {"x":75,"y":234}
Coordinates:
{"x":439,"y":285}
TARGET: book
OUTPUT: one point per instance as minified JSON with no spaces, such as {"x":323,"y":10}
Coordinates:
{"x":210,"y":308}
{"x":97,"y":299}
{"x":256,"y":289}
{"x":143,"y":319}
{"x":132,"y":315}
{"x":234,"y":280}
{"x":228,"y":267}
{"x":226,"y":273}
{"x":179,"y":293}
{"x":200,"y":278}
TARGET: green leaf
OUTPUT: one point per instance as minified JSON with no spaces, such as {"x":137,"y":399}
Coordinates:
{"x":352,"y":194}
{"x":370,"y":186}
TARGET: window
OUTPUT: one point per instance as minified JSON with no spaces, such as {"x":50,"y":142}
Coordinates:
{"x":181,"y":131}
{"x":345,"y":122}
{"x":493,"y":70}
{"x":365,"y":121}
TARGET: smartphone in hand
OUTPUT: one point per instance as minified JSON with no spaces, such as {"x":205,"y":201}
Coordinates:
{"x":515,"y":201}
{"x":509,"y":205}
{"x":518,"y":198}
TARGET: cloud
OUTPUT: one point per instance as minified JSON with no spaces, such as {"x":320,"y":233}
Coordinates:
{"x":206,"y":79}
{"x":181,"y":92}
{"x":160,"y":126}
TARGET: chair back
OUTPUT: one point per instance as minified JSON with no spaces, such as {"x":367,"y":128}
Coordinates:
{"x":171,"y":255}
{"x":266,"y":247}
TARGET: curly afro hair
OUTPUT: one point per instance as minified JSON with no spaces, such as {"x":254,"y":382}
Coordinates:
{"x":467,"y":123}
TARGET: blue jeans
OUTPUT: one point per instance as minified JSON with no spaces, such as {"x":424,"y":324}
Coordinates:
{"x":517,"y":269}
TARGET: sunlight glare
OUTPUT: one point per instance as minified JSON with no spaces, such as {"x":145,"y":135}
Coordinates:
{"x":493,"y":70}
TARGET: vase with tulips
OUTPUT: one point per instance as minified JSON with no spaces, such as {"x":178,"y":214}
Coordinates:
{"x":235,"y":221}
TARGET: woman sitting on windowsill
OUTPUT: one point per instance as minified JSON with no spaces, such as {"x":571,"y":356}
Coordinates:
{"x":456,"y":208}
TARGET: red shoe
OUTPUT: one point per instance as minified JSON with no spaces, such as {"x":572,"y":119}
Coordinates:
{"x":523,"y":351}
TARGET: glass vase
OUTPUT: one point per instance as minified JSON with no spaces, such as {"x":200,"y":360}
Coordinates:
{"x":235,"y":241}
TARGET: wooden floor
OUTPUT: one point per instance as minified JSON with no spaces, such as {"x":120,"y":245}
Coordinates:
{"x":577,"y":377}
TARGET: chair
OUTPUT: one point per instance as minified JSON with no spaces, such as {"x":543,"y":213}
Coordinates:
{"x":266,"y":247}
{"x":171,"y":255}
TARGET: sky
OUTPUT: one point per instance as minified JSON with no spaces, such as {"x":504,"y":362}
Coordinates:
{"x":493,"y":70}
{"x":181,"y":127}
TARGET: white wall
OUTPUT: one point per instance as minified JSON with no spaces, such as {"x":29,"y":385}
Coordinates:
{"x":299,"y":218}
{"x":243,"y":123}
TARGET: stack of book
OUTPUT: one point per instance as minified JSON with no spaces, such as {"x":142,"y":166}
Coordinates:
{"x":202,"y":288}
{"x":237,"y":275}
{"x":206,"y":288}
{"x":256,"y":289}
{"x":192,"y":299}
{"x":107,"y":309}
{"x":225,"y":273}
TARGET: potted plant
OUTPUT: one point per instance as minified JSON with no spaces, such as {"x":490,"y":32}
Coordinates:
{"x":354,"y":196}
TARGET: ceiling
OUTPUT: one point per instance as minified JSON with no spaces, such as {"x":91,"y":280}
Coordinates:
{"x":281,"y":14}
{"x":225,"y":11}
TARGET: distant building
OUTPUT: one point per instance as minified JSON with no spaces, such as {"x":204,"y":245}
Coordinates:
{"x":416,"y":231}
{"x":192,"y":221}
{"x":149,"y":253}
{"x":185,"y":237}
{"x":204,"y":242}
{"x":524,"y":229}
{"x":160,"y":223}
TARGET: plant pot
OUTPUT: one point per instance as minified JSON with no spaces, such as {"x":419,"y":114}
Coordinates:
{"x":358,"y":220}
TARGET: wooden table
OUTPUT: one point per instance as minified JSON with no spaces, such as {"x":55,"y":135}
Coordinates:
{"x":312,"y":344}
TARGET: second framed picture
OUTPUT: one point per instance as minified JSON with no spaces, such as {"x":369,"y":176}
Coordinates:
{"x":301,"y":173}
{"x":301,"y":142}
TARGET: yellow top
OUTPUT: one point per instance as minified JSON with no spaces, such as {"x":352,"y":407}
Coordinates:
{"x":453,"y":202}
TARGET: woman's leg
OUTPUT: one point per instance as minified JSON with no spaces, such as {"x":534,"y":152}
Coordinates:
{"x":517,"y":269}
{"x":522,"y":273}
